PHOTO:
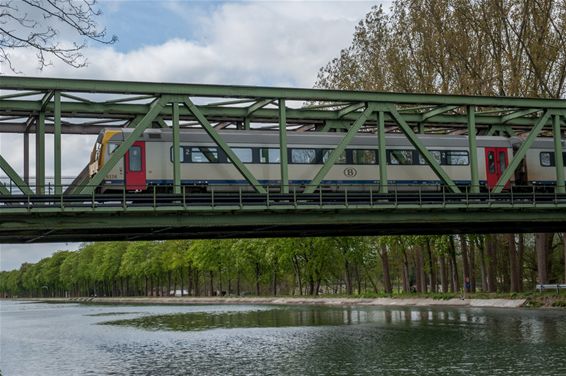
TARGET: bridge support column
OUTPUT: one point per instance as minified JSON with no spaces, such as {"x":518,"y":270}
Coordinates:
{"x":176,"y":151}
{"x":558,"y":156}
{"x":57,"y":143}
{"x":26,"y":157}
{"x":475,"y":184}
{"x":382,"y":158}
{"x":40,"y":154}
{"x":283,"y":147}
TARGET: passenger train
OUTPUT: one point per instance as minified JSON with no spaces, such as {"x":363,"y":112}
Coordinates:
{"x":149,"y":161}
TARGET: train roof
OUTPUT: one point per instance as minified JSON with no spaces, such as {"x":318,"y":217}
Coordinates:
{"x":262,"y":138}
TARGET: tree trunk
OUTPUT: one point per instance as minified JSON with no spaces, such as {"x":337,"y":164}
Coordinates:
{"x":257,"y":275}
{"x":466,"y":264}
{"x":542,"y":254}
{"x":348,"y":279}
{"x":443,"y":274}
{"x":491,"y":264}
{"x":521,"y":257}
{"x":406,"y":284}
{"x":419,"y":272}
{"x":386,"y":274}
{"x":454,"y":266}
{"x":432,"y":268}
{"x":472,"y":266}
{"x":211,"y":276}
{"x":513,"y":264}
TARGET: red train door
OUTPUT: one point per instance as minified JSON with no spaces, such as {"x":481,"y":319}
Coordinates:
{"x":496,"y":161}
{"x":135,"y":167}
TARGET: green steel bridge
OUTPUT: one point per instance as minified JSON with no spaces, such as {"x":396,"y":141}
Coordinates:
{"x":39,"y":208}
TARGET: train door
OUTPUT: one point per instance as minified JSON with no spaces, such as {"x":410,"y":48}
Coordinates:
{"x":135,"y":167}
{"x":496,"y":161}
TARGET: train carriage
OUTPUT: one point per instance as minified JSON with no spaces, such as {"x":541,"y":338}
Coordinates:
{"x":149,"y":161}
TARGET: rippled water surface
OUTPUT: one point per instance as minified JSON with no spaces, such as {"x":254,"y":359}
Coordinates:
{"x":71,"y":339}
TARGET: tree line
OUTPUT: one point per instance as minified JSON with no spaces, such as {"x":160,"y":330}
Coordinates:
{"x":286,"y":266}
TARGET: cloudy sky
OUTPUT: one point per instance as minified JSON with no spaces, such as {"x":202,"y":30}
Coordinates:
{"x":271,"y":43}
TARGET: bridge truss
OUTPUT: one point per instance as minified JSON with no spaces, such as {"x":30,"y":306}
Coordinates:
{"x":38,"y":208}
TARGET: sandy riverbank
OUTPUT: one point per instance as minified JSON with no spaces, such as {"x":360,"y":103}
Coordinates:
{"x":386,"y":302}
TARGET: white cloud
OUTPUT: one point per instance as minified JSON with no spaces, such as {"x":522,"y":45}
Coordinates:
{"x":269,"y":43}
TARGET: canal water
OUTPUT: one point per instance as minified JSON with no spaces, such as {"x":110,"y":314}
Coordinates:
{"x":71,"y":339}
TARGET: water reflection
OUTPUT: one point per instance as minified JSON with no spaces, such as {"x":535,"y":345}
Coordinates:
{"x":290,"y":340}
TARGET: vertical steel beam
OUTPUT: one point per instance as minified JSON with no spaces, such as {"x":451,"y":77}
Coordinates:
{"x":472,"y":143}
{"x":339,"y":149}
{"x":382,"y":152}
{"x":176,"y":147}
{"x":517,"y":158}
{"x":26,"y":156}
{"x":224,"y":146}
{"x":40,"y":154}
{"x":283,"y":147}
{"x":558,"y":156}
{"x":57,"y":142}
{"x":414,"y":140}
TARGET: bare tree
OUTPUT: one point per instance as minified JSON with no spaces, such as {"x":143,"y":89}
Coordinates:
{"x":53,"y":28}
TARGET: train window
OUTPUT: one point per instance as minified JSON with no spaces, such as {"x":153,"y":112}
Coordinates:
{"x":436,"y":154}
{"x":502,"y":161}
{"x":135,"y":159}
{"x":547,"y":159}
{"x":184,"y":154}
{"x":204,"y":154}
{"x":491,"y":162}
{"x":244,"y":154}
{"x":364,"y":156}
{"x":111,"y":148}
{"x":340,"y":160}
{"x":303,"y":156}
{"x":457,"y":158}
{"x":269,"y":155}
{"x":401,"y":157}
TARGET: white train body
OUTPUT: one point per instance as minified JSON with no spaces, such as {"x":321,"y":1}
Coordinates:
{"x":203,"y":164}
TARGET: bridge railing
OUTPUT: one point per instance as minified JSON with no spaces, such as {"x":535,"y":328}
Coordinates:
{"x":243,"y":197}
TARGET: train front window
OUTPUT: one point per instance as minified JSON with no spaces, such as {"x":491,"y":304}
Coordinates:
{"x":204,"y":154}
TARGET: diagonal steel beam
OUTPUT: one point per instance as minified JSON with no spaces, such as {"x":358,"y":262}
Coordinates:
{"x":257,"y":105}
{"x":315,"y":182}
{"x":518,"y":114}
{"x":13,"y":175}
{"x":414,"y":140}
{"x":518,"y":157}
{"x":351,"y":108}
{"x":437,"y":111}
{"x":224,"y":146}
{"x":121,"y":150}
